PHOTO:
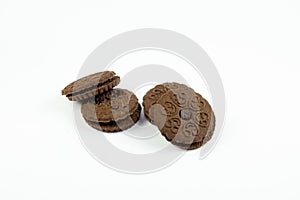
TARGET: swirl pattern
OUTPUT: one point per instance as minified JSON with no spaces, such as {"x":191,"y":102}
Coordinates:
{"x":183,"y":116}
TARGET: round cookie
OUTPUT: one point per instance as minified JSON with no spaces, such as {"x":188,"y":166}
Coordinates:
{"x":90,"y":86}
{"x":120,"y":125}
{"x":184,"y":118}
{"x":113,"y":111}
{"x":112,"y":106}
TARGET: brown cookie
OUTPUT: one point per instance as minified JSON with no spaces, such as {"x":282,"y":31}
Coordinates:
{"x":184,"y":117}
{"x":154,"y":94}
{"x":116,"y":126}
{"x":113,"y":111}
{"x":114,"y":105}
{"x":90,"y":86}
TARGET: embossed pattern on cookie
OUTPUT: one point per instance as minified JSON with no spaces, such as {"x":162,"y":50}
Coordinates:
{"x":113,"y":111}
{"x":154,"y":94}
{"x":183,"y":116}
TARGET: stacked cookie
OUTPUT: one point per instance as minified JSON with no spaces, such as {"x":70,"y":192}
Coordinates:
{"x":104,"y":108}
{"x":90,"y":86}
{"x":183,"y":116}
{"x":114,"y":111}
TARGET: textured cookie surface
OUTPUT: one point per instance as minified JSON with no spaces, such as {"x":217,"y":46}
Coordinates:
{"x":117,"y":126}
{"x":188,"y":117}
{"x":154,"y":94}
{"x":196,"y":145}
{"x":114,"y":105}
{"x":91,"y":85}
{"x":183,"y":116}
{"x":151,"y":97}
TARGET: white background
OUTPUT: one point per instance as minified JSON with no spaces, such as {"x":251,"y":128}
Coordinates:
{"x":255,"y":46}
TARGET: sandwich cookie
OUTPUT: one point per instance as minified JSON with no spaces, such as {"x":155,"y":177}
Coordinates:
{"x":90,"y":86}
{"x":113,"y":111}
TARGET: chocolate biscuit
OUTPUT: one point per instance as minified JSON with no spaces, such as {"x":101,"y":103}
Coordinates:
{"x":90,"y":86}
{"x":113,"y":111}
{"x":183,"y":116}
{"x":120,"y":125}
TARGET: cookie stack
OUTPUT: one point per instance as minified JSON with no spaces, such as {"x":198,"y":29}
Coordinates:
{"x":104,"y":108}
{"x":183,"y":116}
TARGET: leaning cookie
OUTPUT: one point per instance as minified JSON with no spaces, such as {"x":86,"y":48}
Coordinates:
{"x":183,"y":116}
{"x":90,"y":86}
{"x":113,"y":111}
